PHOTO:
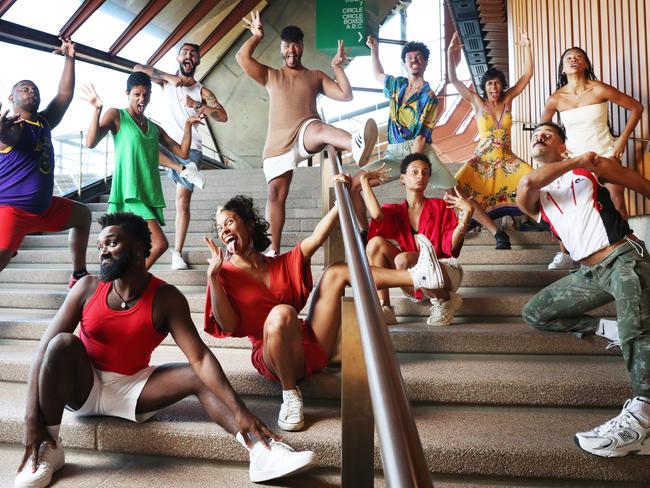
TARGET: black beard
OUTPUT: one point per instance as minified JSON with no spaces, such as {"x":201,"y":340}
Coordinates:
{"x":186,"y":73}
{"x":116,"y":267}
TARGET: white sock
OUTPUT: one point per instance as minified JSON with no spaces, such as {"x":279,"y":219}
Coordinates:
{"x":641,"y":406}
{"x":53,"y":430}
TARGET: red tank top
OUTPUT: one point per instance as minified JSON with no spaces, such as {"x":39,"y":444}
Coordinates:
{"x":120,"y":341}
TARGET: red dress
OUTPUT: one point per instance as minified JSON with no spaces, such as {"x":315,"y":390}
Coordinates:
{"x":437,"y":223}
{"x":290,"y":283}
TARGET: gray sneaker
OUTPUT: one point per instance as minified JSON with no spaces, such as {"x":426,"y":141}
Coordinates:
{"x":192,"y":174}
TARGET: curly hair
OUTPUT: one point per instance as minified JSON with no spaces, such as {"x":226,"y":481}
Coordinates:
{"x":589,"y":71}
{"x":245,"y":209}
{"x":412,"y":46}
{"x":291,"y":33}
{"x":493,"y":74}
{"x":132,"y":224}
{"x":138,"y":78}
{"x":404,"y":165}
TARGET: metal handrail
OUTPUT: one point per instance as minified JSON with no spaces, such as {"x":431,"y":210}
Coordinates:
{"x":401,"y":449}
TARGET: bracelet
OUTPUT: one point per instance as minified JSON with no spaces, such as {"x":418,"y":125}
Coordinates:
{"x":198,"y":105}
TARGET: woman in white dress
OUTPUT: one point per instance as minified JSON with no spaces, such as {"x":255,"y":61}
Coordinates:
{"x":582,"y":104}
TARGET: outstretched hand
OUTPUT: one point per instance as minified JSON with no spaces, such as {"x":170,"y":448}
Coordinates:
{"x":524,"y":40}
{"x":7,"y":122}
{"x":196,"y":120}
{"x":458,"y":202}
{"x":67,"y":48}
{"x":455,"y":45}
{"x":249,"y":425}
{"x":343,"y":178}
{"x":215,"y":261}
{"x":377,"y":177}
{"x":372,"y":43}
{"x":90,"y":95}
{"x":254,"y":24}
{"x":340,"y":56}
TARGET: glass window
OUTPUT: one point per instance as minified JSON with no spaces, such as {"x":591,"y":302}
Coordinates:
{"x":51,"y":17}
{"x":107,"y":23}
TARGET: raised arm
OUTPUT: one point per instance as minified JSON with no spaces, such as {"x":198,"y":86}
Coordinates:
{"x":310,"y":245}
{"x":181,"y":150}
{"x":54,"y":112}
{"x":368,"y":180}
{"x":98,"y":129}
{"x":65,"y":320}
{"x":157,"y":76}
{"x":258,"y":71}
{"x":464,"y":211}
{"x":454,"y":47}
{"x":340,"y":89}
{"x":619,"y":98}
{"x":208,"y":105}
{"x":205,"y":365}
{"x":523,"y":81}
{"x":222,"y":309}
{"x":377,"y":68}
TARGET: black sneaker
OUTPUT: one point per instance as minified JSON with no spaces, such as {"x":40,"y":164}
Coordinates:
{"x":503,"y":240}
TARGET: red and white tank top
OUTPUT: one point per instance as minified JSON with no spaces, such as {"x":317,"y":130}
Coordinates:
{"x":581,"y":213}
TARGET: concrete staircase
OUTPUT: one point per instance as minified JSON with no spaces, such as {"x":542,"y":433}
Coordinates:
{"x":496,"y":402}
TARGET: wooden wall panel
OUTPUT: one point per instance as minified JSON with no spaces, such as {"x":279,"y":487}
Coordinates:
{"x":615,"y":35}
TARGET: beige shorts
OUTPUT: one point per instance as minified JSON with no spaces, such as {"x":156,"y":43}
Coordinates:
{"x":116,"y":395}
{"x":279,"y":165}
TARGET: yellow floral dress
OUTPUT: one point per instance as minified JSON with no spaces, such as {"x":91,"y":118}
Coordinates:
{"x":492,"y":174}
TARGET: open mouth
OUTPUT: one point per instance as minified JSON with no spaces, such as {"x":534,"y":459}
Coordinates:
{"x":188,"y":65}
{"x":140,"y":107}
{"x":230,"y":241}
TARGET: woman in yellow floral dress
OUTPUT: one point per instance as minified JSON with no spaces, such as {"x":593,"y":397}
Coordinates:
{"x":492,"y":174}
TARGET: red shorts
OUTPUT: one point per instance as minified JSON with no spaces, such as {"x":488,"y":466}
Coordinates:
{"x":315,"y":357}
{"x":16,"y":223}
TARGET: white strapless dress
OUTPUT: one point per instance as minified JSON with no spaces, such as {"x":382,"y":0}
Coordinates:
{"x":586,"y":130}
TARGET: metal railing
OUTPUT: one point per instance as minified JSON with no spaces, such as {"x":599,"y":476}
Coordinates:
{"x":401,"y":450}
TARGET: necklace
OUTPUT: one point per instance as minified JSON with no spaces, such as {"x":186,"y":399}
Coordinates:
{"x":124,"y":302}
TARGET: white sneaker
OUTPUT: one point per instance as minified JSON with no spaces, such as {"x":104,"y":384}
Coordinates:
{"x":281,"y":460}
{"x":609,"y":330}
{"x":177,"y":261}
{"x":364,"y":142}
{"x":291,"y":415}
{"x":627,"y":433}
{"x":427,"y":272}
{"x":51,"y":458}
{"x":562,"y":261}
{"x":389,"y":314}
{"x":442,"y":312}
{"x":192,"y":174}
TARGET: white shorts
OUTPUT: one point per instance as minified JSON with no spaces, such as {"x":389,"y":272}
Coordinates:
{"x":116,"y":395}
{"x":279,"y":165}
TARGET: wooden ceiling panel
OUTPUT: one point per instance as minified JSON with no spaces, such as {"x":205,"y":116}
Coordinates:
{"x":145,"y":16}
{"x":82,"y":14}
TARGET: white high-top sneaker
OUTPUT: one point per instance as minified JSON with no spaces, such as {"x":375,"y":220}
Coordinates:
{"x":291,"y":415}
{"x":51,"y":458}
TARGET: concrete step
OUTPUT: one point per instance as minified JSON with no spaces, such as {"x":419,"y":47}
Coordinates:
{"x":308,"y":201}
{"x":475,"y":275}
{"x":594,"y":381}
{"x":207,"y":215}
{"x":477,"y":302}
{"x":410,"y":335}
{"x":457,"y":440}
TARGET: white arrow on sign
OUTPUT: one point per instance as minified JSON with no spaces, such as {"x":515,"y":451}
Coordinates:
{"x":360,"y":36}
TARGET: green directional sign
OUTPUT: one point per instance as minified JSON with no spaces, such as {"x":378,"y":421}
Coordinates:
{"x":342,"y":19}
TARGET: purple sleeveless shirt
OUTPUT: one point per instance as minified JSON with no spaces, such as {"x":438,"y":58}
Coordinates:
{"x":27,"y":169}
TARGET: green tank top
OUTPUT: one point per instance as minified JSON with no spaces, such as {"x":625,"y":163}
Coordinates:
{"x":136,"y":175}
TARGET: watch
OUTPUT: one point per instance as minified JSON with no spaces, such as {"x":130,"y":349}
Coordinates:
{"x":198,"y":105}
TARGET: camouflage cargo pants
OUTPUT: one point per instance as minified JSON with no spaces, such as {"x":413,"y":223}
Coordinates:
{"x":623,"y":276}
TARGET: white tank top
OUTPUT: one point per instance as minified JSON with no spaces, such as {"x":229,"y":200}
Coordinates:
{"x":177,"y":113}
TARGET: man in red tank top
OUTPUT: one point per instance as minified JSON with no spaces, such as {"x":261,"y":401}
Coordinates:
{"x":124,"y":314}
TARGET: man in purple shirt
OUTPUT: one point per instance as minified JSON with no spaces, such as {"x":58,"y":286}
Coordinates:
{"x":27,"y":171}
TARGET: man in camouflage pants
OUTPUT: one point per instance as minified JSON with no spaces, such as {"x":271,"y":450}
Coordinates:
{"x":569,"y":195}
